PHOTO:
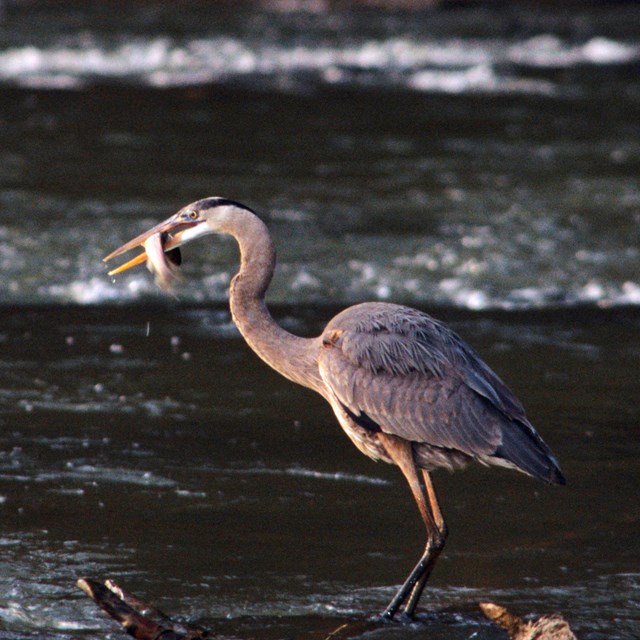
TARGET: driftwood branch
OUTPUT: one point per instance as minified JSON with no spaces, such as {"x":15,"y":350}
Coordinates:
{"x":547,"y":627}
{"x":139,"y":619}
{"x":145,"y":622}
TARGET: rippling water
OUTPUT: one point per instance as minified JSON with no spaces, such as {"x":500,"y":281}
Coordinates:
{"x":483,"y":161}
{"x":147,"y":444}
{"x":467,"y":157}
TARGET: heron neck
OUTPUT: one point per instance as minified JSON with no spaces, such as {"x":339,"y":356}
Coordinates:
{"x":290,"y":355}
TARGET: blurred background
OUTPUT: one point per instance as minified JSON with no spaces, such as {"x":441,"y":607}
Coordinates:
{"x":477,"y":160}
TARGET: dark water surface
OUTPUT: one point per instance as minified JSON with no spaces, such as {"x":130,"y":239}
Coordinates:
{"x":148,"y":444}
{"x":480,"y":163}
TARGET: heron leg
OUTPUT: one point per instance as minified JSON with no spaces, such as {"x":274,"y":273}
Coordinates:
{"x":401,"y":452}
{"x":414,"y":597}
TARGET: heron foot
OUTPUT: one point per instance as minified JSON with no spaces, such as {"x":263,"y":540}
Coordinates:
{"x":406,"y":599}
{"x":400,"y":617}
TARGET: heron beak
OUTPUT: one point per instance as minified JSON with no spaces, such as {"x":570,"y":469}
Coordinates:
{"x":171,"y":230}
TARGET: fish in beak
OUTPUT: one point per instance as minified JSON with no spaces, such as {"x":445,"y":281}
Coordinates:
{"x":160,"y":250}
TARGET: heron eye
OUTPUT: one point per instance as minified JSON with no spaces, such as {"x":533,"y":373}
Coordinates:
{"x":193,"y":215}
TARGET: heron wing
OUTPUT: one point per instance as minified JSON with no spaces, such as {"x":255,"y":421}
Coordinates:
{"x":399,"y":370}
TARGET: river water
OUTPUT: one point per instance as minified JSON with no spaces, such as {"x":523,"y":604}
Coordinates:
{"x":478,"y":162}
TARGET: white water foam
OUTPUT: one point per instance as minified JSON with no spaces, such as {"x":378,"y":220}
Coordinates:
{"x":452,"y":65}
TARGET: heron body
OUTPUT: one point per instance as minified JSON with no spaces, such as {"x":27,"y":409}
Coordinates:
{"x":404,"y":387}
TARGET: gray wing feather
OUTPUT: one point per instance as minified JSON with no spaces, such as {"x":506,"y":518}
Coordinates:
{"x":415,"y":406}
{"x":415,"y":378}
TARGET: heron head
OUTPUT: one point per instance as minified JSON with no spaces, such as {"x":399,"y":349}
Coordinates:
{"x":161,"y":243}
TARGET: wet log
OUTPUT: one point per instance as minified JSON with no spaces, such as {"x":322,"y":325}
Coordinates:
{"x":139,"y":619}
{"x":547,"y":627}
{"x":145,"y":622}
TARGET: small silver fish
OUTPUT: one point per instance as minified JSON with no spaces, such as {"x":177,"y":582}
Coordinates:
{"x":162,"y":265}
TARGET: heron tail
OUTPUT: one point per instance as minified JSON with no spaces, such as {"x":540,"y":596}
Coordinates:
{"x":523,"y":447}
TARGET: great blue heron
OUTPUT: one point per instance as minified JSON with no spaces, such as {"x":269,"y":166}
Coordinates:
{"x":404,"y":387}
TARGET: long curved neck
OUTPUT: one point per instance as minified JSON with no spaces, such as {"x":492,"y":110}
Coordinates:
{"x":290,"y":355}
